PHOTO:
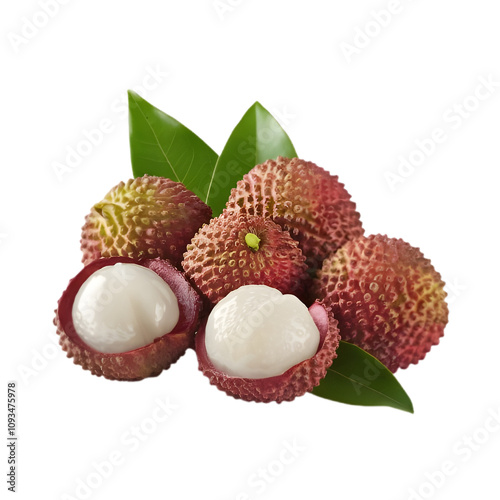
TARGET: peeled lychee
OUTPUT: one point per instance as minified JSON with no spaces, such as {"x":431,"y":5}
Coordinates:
{"x":126,"y":319}
{"x":302,"y":198}
{"x":387,"y":297}
{"x":237,"y":249}
{"x":144,"y":218}
{"x":259,"y":345}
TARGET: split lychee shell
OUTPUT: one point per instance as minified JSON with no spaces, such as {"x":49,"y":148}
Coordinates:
{"x":147,"y":361}
{"x":294,"y":382}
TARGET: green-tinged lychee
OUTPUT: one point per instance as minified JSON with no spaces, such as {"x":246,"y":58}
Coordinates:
{"x":302,"y":198}
{"x":387,"y":298}
{"x":236,"y":249}
{"x":144,"y":218}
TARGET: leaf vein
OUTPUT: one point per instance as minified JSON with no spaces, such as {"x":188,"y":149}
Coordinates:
{"x":157,"y":140}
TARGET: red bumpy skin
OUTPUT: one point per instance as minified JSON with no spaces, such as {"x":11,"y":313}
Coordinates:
{"x":147,"y":361}
{"x":219,"y":260}
{"x":144,"y":218}
{"x":389,"y":300}
{"x":302,"y":198}
{"x":295,"y":382}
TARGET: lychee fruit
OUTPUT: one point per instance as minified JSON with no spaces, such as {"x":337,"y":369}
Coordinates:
{"x":144,"y":218}
{"x":387,"y":297}
{"x":237,"y":249}
{"x":303,"y":199}
{"x":125,"y":319}
{"x":260,"y":345}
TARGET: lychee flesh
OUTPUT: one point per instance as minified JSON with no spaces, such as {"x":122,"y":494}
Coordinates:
{"x":144,"y":218}
{"x":295,"y":381}
{"x":124,"y":307}
{"x":388,"y":298}
{"x":257,"y":332}
{"x":237,"y":249}
{"x":148,"y":360}
{"x":303,"y":199}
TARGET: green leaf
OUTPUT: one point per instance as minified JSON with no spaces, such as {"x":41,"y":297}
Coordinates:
{"x":161,"y":146}
{"x":357,"y":378}
{"x":257,"y":137}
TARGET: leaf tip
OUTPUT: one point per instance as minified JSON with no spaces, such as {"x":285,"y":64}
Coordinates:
{"x":260,"y":107}
{"x":257,"y":106}
{"x":135,"y":98}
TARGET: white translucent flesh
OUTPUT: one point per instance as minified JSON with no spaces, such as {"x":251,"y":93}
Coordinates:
{"x":256,"y":332}
{"x":123,"y":307}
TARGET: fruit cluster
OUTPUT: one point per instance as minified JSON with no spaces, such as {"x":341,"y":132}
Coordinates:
{"x":264,"y":292}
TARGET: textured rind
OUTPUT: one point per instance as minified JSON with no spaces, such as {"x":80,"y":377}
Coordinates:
{"x":295,"y":382}
{"x":218,"y":260}
{"x":388,"y":298}
{"x":147,"y":361}
{"x":144,"y":218}
{"x":303,"y":199}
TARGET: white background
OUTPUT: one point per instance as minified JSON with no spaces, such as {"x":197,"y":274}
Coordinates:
{"x":354,"y":115}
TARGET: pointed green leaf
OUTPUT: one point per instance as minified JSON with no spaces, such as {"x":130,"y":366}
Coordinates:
{"x":357,"y":378}
{"x":257,"y":137}
{"x":160,"y":145}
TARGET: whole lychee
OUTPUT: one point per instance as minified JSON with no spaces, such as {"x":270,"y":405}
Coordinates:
{"x":259,"y":345}
{"x":125,"y":319}
{"x":144,"y":218}
{"x":387,"y":297}
{"x":236,"y":249}
{"x":302,"y":198}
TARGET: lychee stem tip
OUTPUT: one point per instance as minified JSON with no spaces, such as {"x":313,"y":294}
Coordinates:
{"x":252,"y":241}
